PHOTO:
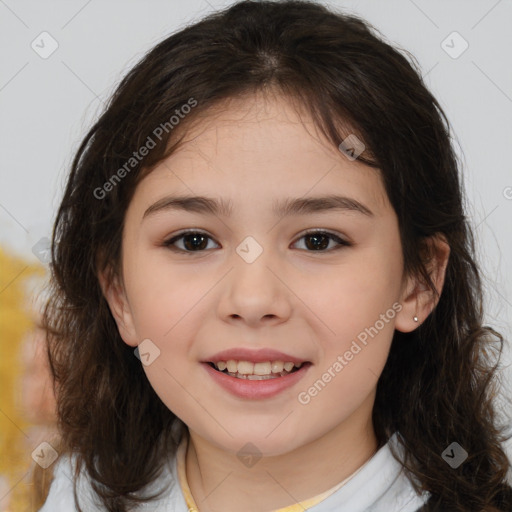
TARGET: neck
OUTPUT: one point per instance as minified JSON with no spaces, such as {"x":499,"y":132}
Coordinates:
{"x":219,"y":482}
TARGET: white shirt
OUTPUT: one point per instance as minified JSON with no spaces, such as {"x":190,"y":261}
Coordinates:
{"x":379,"y":485}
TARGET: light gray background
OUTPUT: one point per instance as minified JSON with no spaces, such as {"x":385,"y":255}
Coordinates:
{"x":47,"y":104}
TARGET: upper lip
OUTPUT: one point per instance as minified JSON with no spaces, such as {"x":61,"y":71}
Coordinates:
{"x":255,"y":356}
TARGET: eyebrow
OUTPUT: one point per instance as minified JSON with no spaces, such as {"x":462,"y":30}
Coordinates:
{"x":288,"y":207}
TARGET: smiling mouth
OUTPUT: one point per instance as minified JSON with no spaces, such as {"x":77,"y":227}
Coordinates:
{"x":254,"y":376}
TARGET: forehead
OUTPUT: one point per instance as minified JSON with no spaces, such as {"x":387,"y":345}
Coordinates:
{"x":261,"y":146}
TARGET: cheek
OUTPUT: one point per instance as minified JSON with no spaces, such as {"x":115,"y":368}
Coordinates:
{"x":351,"y":364}
{"x":357,"y":307}
{"x":166,"y":303}
{"x":161,"y":293}
{"x":353,"y":296}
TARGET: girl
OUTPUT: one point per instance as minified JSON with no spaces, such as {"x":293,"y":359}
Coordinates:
{"x":265,"y":294}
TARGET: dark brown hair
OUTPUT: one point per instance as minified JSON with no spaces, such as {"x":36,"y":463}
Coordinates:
{"x":439,"y":383}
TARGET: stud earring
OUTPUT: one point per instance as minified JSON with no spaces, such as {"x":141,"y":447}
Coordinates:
{"x":415,"y":318}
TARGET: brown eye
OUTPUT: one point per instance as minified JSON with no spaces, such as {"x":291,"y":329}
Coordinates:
{"x":196,"y":241}
{"x":319,"y":241}
{"x":193,"y":241}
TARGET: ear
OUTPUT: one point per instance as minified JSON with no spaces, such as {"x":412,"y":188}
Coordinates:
{"x":417,"y":299}
{"x":115,"y":295}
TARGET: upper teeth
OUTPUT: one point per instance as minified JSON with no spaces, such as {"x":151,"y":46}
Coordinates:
{"x":263,"y":368}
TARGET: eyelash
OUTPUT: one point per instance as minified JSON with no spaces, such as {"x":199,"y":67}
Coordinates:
{"x":169,"y":243}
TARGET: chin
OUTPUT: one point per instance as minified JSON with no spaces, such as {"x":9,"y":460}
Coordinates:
{"x":261,"y":442}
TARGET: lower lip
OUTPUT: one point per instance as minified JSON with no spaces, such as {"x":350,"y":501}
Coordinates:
{"x":256,"y":389}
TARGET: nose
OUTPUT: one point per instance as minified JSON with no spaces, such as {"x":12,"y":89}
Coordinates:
{"x":255,"y":292}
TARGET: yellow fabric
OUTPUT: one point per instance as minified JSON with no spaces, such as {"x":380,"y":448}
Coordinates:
{"x":192,"y":507}
{"x":16,"y":323}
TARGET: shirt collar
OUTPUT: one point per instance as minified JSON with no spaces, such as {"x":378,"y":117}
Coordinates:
{"x":297,"y":507}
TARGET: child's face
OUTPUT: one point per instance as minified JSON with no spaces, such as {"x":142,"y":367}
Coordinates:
{"x":311,"y":304}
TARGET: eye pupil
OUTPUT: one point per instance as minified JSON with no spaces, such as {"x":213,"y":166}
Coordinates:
{"x":316,"y":237}
{"x":194,"y":237}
